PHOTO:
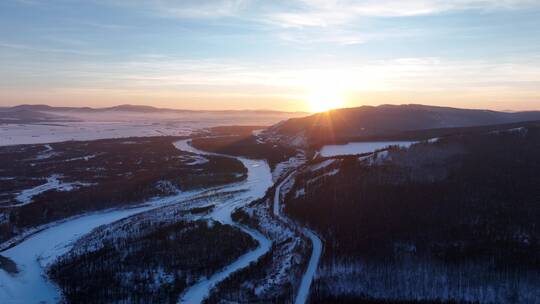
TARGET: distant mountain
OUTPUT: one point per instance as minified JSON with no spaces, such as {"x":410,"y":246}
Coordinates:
{"x":31,"y":114}
{"x":384,"y":122}
{"x":124,"y":108}
{"x":23,"y":115}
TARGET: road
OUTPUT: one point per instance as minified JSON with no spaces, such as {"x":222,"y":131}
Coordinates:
{"x":303,"y":292}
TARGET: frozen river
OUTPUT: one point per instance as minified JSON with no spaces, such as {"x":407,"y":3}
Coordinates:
{"x":31,"y":285}
{"x":254,"y":187}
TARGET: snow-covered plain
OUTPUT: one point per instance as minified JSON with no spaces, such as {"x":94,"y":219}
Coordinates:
{"x":14,"y":134}
{"x":356,"y":148}
{"x":119,"y":124}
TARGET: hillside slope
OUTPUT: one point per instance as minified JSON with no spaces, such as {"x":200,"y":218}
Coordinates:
{"x":453,"y":220}
{"x":383,"y":122}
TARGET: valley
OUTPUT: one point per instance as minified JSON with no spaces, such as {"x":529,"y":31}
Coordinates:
{"x":233,"y":214}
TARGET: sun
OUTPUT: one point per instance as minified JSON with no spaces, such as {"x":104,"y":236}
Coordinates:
{"x":324,"y":100}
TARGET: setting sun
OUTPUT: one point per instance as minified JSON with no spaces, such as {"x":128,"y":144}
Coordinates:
{"x":324,"y":100}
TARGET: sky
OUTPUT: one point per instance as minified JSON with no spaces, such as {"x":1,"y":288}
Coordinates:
{"x":293,"y":55}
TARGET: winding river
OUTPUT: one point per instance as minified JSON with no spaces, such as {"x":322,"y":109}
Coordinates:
{"x":254,"y":187}
{"x":30,"y":284}
{"x":31,"y":255}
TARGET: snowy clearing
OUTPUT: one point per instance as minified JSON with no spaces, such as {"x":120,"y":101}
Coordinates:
{"x":282,"y":168}
{"x":53,"y":183}
{"x":360,"y":147}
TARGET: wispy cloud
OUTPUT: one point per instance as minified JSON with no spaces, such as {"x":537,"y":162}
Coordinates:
{"x":317,"y":12}
{"x":324,"y":13}
{"x":336,"y":21}
{"x":161,"y":76}
{"x":38,"y":49}
{"x":187,"y":8}
{"x":156,"y":71}
{"x":281,"y":47}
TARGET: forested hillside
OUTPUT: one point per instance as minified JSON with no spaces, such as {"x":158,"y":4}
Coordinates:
{"x":153,"y":263}
{"x":455,"y":219}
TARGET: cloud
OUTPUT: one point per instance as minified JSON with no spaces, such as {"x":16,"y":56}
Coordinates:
{"x":157,"y":75}
{"x":333,"y":21}
{"x":321,"y":13}
{"x":160,"y":72}
{"x":192,"y":9}
{"x":39,"y":49}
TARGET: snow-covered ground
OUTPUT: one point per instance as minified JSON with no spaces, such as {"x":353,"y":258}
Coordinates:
{"x":91,"y":126}
{"x":288,"y":165}
{"x":360,"y":147}
{"x":14,"y":134}
{"x":53,"y":182}
{"x":258,"y":181}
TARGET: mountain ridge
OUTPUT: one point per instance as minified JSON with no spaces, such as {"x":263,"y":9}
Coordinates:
{"x":125,"y":108}
{"x":369,"y":122}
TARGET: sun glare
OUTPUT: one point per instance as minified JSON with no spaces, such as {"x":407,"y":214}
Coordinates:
{"x":324,"y":100}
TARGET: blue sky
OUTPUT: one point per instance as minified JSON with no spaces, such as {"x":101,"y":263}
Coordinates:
{"x":287,"y":55}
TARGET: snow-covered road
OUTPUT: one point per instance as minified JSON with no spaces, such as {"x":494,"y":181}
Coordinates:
{"x":259,"y":179}
{"x":307,"y":278}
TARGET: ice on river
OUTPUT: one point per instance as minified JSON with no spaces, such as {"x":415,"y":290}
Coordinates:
{"x":258,"y":181}
{"x":31,"y":285}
